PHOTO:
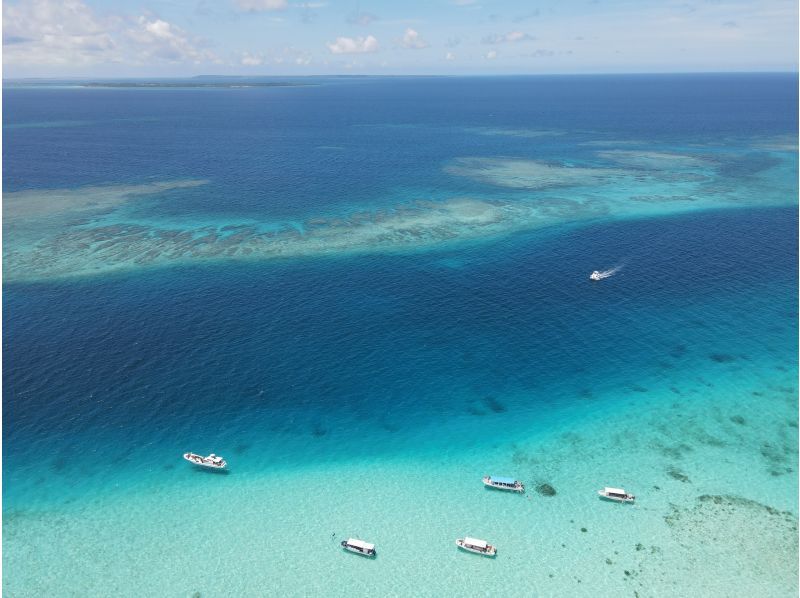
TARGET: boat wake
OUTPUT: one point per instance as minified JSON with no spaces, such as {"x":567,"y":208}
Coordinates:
{"x":601,"y":274}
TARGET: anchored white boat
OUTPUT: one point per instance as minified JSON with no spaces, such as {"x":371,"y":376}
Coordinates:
{"x":616,"y":494}
{"x":359,"y":547}
{"x":212,"y":461}
{"x":502,"y":483}
{"x":476,"y":546}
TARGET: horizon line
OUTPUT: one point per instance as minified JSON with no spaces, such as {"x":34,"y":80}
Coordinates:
{"x":406,"y":75}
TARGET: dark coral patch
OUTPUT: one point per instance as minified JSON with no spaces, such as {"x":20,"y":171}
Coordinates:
{"x":722,"y":357}
{"x":678,"y":351}
{"x":545,"y":490}
{"x":495,"y":405}
{"x":676,"y":474}
{"x":241,"y":448}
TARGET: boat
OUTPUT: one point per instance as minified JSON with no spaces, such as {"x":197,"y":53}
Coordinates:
{"x":502,"y":483}
{"x":476,"y":546}
{"x":601,"y":274}
{"x":212,"y":461}
{"x":616,"y":494}
{"x":359,"y":547}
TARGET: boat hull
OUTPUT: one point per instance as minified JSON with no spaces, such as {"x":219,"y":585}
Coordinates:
{"x":615,"y":498}
{"x":359,"y":552}
{"x":491,"y":550}
{"x":203,"y":463}
{"x":489,"y":484}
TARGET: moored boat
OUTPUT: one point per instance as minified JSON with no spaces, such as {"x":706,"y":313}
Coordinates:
{"x":616,"y":494}
{"x":212,"y":461}
{"x":359,"y":547}
{"x":503,"y":483}
{"x":476,"y":546}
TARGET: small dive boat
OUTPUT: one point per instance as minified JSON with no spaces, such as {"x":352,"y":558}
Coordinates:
{"x":212,"y":461}
{"x":616,"y":494}
{"x":359,"y":547}
{"x":600,"y":275}
{"x":503,"y":483}
{"x":476,"y":546}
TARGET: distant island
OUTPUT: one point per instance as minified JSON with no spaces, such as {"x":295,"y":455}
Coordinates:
{"x":227,"y":83}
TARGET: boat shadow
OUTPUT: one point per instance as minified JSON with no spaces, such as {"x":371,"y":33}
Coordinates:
{"x":482,"y":556}
{"x":208,"y":471}
{"x":362,"y":556}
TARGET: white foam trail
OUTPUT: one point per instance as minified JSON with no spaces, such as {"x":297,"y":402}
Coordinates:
{"x":601,"y":274}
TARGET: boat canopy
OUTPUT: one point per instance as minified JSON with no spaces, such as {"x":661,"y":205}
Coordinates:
{"x":476,"y":543}
{"x":614,"y":491}
{"x":361,"y":544}
{"x":502,"y":480}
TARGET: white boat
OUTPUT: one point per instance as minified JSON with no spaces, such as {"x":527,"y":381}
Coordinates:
{"x":359,"y":547}
{"x":601,"y":274}
{"x":616,"y":494}
{"x":502,"y":483}
{"x":212,"y":461}
{"x":476,"y":546}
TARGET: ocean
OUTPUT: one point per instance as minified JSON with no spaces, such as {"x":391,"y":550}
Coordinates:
{"x":368,"y":293}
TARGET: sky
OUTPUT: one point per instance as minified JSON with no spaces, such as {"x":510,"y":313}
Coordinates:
{"x":173,"y":38}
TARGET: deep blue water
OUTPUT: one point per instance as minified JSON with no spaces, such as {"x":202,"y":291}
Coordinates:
{"x":302,"y":347}
{"x":291,"y":151}
{"x":307,"y":347}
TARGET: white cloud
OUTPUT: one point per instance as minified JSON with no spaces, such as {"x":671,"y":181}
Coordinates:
{"x":353,"y":45}
{"x":52,"y":32}
{"x":449,"y":56}
{"x":69,"y":33}
{"x":508,"y":38}
{"x":490,"y":55}
{"x":157,"y":39}
{"x":412,"y":40}
{"x":261,"y":5}
{"x":249,"y":59}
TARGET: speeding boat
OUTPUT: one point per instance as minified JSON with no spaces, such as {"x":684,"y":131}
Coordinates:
{"x":503,"y":483}
{"x":476,"y":546}
{"x":601,"y":274}
{"x":616,"y":494}
{"x":359,"y":547}
{"x":212,"y":461}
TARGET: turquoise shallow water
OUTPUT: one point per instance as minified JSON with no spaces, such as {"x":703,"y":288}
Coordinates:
{"x":428,"y":321}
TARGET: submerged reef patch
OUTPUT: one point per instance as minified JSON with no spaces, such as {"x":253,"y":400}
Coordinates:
{"x":722,"y":357}
{"x":495,"y":405}
{"x":38,"y":203}
{"x":98,"y":229}
{"x":676,"y":474}
{"x":520,"y":173}
{"x":737,"y":531}
{"x":545,"y":489}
